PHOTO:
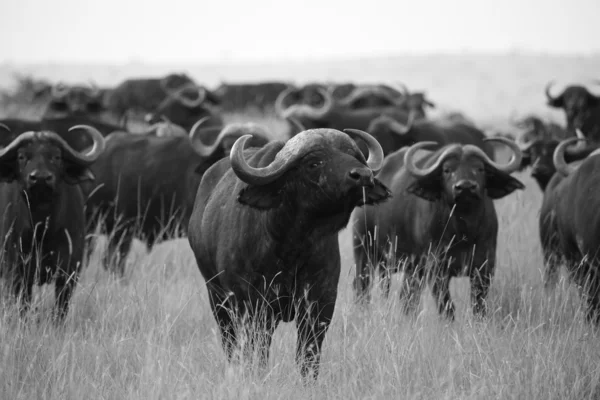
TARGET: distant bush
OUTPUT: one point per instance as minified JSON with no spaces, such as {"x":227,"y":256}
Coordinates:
{"x":25,"y":98}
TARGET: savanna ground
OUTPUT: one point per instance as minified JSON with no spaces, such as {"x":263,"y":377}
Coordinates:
{"x":152,"y":335}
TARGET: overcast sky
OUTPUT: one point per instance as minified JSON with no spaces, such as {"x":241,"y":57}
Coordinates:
{"x":117,"y":31}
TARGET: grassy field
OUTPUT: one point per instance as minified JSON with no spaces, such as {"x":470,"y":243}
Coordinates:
{"x":152,"y":336}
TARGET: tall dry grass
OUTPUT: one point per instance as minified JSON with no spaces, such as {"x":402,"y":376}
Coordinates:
{"x":151,"y":335}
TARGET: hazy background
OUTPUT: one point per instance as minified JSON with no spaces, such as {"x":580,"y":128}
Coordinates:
{"x":118,"y":31}
{"x":489,"y":59}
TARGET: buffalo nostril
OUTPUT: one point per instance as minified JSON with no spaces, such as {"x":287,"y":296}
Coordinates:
{"x":465,"y":185}
{"x":354,"y":175}
{"x":361,"y":176}
{"x":44,"y":178}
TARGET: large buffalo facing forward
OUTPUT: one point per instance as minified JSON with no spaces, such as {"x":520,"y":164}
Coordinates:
{"x":146,"y":184}
{"x":441,"y":223}
{"x":42,"y":228}
{"x":264,"y":231}
{"x":570,"y":226}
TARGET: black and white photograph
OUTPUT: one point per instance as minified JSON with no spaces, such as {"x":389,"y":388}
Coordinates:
{"x":332,"y":199}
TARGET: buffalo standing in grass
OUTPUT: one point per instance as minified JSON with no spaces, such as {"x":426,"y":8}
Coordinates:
{"x":441,"y":223}
{"x":146,"y":184}
{"x":570,"y":226}
{"x":43,"y":222}
{"x":264,"y":231}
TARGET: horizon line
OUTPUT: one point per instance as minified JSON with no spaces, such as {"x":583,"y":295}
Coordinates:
{"x":233,"y":61}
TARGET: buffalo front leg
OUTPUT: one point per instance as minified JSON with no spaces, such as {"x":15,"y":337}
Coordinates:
{"x":440,"y":287}
{"x":411,"y":288}
{"x":63,"y":290}
{"x":224,"y":313}
{"x":119,"y":244}
{"x":551,"y":270}
{"x":481,"y":280}
{"x":312,"y":322}
{"x":22,"y":289}
{"x":260,"y":335}
{"x":364,"y":272}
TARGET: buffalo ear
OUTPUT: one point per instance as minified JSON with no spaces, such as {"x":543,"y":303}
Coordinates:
{"x":8,"y":172}
{"x":428,"y":187}
{"x":261,"y":197}
{"x":75,"y":174}
{"x":213,"y":98}
{"x":526,"y":160}
{"x":557,"y":102}
{"x":201,"y":168}
{"x":499,"y":184}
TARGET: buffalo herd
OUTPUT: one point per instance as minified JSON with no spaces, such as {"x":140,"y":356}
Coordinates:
{"x":152,"y":158}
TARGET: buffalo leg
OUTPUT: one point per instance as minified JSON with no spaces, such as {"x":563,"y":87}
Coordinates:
{"x":440,"y":287}
{"x":591,"y":287}
{"x":119,"y":244}
{"x":551,"y":270}
{"x":362,"y":280}
{"x":22,"y":290}
{"x":260,"y":335}
{"x":481,"y":279}
{"x":312,"y":322}
{"x":63,"y":290}
{"x":411,"y":288}
{"x":385,"y":278}
{"x":224,"y":313}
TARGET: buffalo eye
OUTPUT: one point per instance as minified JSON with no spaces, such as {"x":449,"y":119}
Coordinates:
{"x":57,"y":158}
{"x":315,"y":164}
{"x":447,"y":170}
{"x":22,"y":157}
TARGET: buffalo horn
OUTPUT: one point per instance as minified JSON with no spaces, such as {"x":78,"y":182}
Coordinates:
{"x":514,"y":163}
{"x":87,"y":158}
{"x":375,"y":160}
{"x":60,"y":90}
{"x":558,"y":158}
{"x":418,"y":172}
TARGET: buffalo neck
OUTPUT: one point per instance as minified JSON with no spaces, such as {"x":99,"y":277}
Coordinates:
{"x":460,"y":223}
{"x":295,"y":230}
{"x":44,"y":212}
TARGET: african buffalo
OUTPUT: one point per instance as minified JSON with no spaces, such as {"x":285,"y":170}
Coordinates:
{"x":264,"y":231}
{"x":185,"y":106}
{"x":570,"y":227}
{"x":61,"y":126}
{"x":74,"y":100}
{"x":581,"y":107}
{"x":335,"y":116}
{"x":146,"y":184}
{"x":240,"y":96}
{"x":539,"y":152}
{"x":144,"y":94}
{"x":43,"y":221}
{"x":393,"y":135}
{"x":441,"y":223}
